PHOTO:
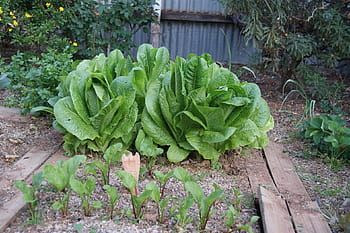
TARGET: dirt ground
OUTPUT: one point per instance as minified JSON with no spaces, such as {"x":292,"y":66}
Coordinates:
{"x":331,"y":189}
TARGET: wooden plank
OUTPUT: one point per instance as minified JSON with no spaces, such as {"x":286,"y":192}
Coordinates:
{"x":306,"y":216}
{"x":195,"y":17}
{"x":258,"y":173}
{"x":11,"y":208}
{"x":274,"y":213}
{"x":24,"y":167}
{"x":12,"y":114}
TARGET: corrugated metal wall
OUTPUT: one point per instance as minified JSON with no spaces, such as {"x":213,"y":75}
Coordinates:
{"x":182,"y":37}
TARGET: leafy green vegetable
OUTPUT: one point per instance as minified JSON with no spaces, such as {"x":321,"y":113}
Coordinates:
{"x":231,"y":217}
{"x":199,"y":106}
{"x":182,"y":175}
{"x":162,"y":180}
{"x":204,"y":203}
{"x":85,"y":191}
{"x":182,"y":217}
{"x":59,"y":176}
{"x":113,"y":198}
{"x":97,"y":107}
{"x":30,"y":195}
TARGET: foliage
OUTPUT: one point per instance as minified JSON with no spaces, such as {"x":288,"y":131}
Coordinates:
{"x":182,"y":216}
{"x":59,"y":176}
{"x":162,"y":179}
{"x":113,"y":198}
{"x":96,"y":106}
{"x":85,"y":191}
{"x":33,"y":79}
{"x":203,"y":202}
{"x":101,"y":26}
{"x":329,"y":135}
{"x":137,"y":200}
{"x":198,"y":106}
{"x":290,"y":32}
{"x":112,"y":155}
{"x":30,"y":195}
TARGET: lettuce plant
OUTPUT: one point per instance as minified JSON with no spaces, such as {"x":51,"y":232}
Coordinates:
{"x":182,"y":216}
{"x":30,"y":195}
{"x":203,"y":202}
{"x":113,"y":198}
{"x":96,"y":106}
{"x":200,"y":106}
{"x":85,"y":191}
{"x":59,"y":176}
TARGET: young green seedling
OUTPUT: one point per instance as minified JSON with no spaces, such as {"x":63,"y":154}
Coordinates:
{"x":162,"y":180}
{"x":85,"y":191}
{"x":182,"y":175}
{"x":137,"y":201}
{"x":204,"y":203}
{"x":182,"y":217}
{"x":113,"y":198}
{"x":231,"y":217}
{"x":112,"y":155}
{"x":30,"y":195}
{"x":146,"y":147}
{"x":158,"y":199}
{"x":59,"y":176}
{"x":249,"y":226}
{"x":237,"y":201}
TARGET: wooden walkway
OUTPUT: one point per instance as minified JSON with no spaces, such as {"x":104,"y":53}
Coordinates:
{"x":285,"y":205}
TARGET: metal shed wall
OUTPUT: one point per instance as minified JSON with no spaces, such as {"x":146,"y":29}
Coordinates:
{"x":184,"y":37}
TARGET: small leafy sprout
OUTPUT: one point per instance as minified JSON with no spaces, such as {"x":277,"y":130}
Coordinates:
{"x":85,"y":191}
{"x":231,"y":217}
{"x":156,"y":196}
{"x":113,"y":198}
{"x":182,"y":175}
{"x":30,"y":196}
{"x":182,"y":217}
{"x":137,"y":201}
{"x":162,"y":180}
{"x":146,"y":147}
{"x":112,"y":155}
{"x":238,"y":197}
{"x":204,"y":203}
{"x":249,"y":226}
{"x":59,"y":176}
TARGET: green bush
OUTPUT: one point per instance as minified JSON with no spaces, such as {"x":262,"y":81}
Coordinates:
{"x":34,"y":79}
{"x":329,"y":135}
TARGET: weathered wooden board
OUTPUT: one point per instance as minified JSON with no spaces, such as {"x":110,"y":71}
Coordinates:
{"x":306,"y":215}
{"x":258,"y":173}
{"x":10,"y":209}
{"x":24,"y":167}
{"x":274,"y":213}
{"x":12,"y":114}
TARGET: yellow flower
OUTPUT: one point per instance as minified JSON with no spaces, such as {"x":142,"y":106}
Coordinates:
{"x":10,"y":29}
{"x":15,"y":23}
{"x":0,"y":19}
{"x":48,"y":4}
{"x":13,"y":17}
{"x":75,"y":44}
{"x":1,"y":11}
{"x":11,"y":13}
{"x":61,"y":9}
{"x":27,"y":15}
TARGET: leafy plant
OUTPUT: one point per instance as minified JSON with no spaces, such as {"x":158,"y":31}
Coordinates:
{"x":163,"y":179}
{"x":231,"y":217}
{"x":30,"y":195}
{"x":182,"y":216}
{"x":329,"y":134}
{"x":59,"y":176}
{"x":182,"y":175}
{"x":204,"y":203}
{"x":159,"y":199}
{"x":113,"y":198}
{"x":96,"y":106}
{"x":112,"y":155}
{"x":137,"y":201}
{"x":33,"y":79}
{"x":85,"y":191}
{"x":248,"y":227}
{"x":198,"y":106}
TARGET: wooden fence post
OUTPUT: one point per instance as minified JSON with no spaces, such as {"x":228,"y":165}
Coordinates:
{"x":155,"y":27}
